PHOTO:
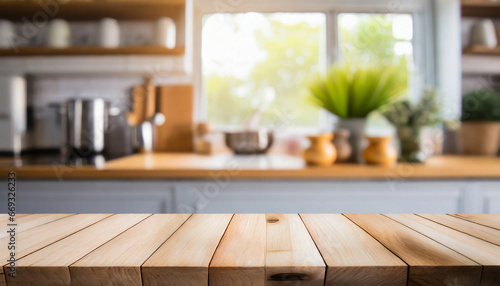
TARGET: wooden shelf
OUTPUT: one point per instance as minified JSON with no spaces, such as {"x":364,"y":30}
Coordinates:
{"x":482,"y":50}
{"x":83,"y":51}
{"x":93,"y":10}
{"x":481,"y":8}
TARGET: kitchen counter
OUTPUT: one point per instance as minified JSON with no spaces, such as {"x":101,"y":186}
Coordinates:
{"x":192,"y":166}
{"x":254,"y":249}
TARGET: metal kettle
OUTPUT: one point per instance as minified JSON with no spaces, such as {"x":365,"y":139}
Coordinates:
{"x":86,"y":125}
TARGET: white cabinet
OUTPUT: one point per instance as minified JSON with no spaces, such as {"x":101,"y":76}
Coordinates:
{"x":206,"y":196}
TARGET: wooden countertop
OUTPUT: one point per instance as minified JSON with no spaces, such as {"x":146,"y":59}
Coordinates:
{"x":254,"y":249}
{"x":192,"y":166}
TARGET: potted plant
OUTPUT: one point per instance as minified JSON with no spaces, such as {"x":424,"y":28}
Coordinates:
{"x":410,"y":119}
{"x":480,"y":132}
{"x":351,"y":92}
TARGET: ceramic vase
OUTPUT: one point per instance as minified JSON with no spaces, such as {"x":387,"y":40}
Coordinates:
{"x":7,"y":34}
{"x":59,"y":34}
{"x":483,"y":33}
{"x":380,"y":152}
{"x":109,"y":33}
{"x":321,"y":152}
{"x":165,"y":32}
{"x":356,"y":127}
{"x":480,"y":138}
{"x":341,"y":143}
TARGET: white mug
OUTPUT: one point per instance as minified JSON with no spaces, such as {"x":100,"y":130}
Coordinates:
{"x":109,"y":33}
{"x":165,"y":32}
{"x":59,"y":34}
{"x":483,"y":33}
{"x":7,"y":34}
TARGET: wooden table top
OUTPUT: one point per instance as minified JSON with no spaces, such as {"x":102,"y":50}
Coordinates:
{"x":254,"y":249}
{"x":192,"y":166}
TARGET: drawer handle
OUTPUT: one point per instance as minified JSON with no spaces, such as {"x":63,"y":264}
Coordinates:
{"x":289,"y":277}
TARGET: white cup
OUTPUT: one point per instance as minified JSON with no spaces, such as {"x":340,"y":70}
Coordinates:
{"x":483,"y":33}
{"x":59,"y":34}
{"x":109,"y":33}
{"x":7,"y":34}
{"x":165,"y":32}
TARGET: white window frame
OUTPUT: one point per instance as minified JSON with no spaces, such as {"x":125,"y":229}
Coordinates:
{"x":439,"y":19}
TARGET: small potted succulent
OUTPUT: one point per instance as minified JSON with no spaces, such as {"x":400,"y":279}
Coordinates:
{"x":352,"y":92}
{"x":480,"y":132}
{"x":410,"y":119}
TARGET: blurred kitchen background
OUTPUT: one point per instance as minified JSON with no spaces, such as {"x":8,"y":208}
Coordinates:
{"x":251,"y":106}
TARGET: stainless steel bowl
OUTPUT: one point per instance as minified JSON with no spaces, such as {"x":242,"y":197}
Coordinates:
{"x":250,"y":142}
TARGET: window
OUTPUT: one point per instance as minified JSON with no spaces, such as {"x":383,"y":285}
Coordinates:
{"x":376,"y":37}
{"x":258,"y":64}
{"x":261,"y":61}
{"x":384,"y":38}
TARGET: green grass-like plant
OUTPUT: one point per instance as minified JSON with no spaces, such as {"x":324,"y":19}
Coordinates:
{"x":353,"y":91}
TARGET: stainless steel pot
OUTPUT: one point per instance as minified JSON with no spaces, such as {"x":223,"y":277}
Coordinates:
{"x":86,"y":124}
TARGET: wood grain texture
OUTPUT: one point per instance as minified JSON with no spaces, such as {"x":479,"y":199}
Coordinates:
{"x":4,"y":218}
{"x":95,"y":51}
{"x":482,"y":252}
{"x":96,"y":10}
{"x":176,"y":104}
{"x":240,"y":257}
{"x":120,"y":259}
{"x":185,"y":257}
{"x":291,"y":254}
{"x":474,"y":229}
{"x":490,"y":220}
{"x":50,"y":265}
{"x":188,"y":165}
{"x":41,"y":236}
{"x":28,"y":222}
{"x":353,"y":257}
{"x":430,"y":263}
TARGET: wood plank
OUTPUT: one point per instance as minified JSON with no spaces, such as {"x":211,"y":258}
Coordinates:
{"x":490,"y":220}
{"x":291,"y":254}
{"x":184,"y":258}
{"x":4,"y":218}
{"x":430,"y":263}
{"x":50,"y":265}
{"x":28,"y":222}
{"x":474,"y":229}
{"x":352,"y":256}
{"x":90,"y":50}
{"x":240,"y":257}
{"x":484,"y":253}
{"x":92,"y":10}
{"x":120,"y":259}
{"x":41,"y":236}
{"x":482,"y":50}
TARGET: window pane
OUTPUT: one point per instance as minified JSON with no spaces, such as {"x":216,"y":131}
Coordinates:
{"x":261,"y":61}
{"x":376,"y":37}
{"x":373,"y":39}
